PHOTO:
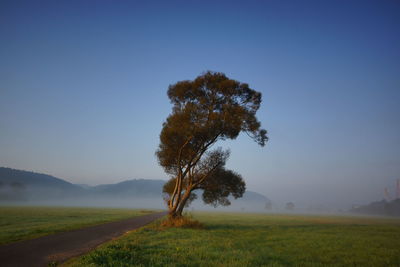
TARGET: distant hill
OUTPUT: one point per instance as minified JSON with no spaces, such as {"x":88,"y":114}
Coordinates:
{"x":37,"y":188}
{"x":383,"y":207}
{"x":25,"y":185}
{"x":139,"y":187}
{"x":254,"y":197}
{"x":8,"y":175}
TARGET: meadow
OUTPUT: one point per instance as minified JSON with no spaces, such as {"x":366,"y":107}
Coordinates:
{"x":21,"y":223}
{"x":229,"y":239}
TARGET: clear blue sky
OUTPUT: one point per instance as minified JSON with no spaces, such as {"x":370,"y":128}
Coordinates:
{"x":83,"y":89}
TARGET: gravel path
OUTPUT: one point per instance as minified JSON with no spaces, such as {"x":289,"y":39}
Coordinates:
{"x":62,"y":246}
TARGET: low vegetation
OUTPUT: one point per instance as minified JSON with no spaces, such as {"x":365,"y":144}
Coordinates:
{"x":229,"y":239}
{"x":181,"y":222}
{"x":21,"y":223}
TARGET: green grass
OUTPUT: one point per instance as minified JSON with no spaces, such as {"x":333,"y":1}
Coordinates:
{"x":256,"y":240}
{"x":21,"y":223}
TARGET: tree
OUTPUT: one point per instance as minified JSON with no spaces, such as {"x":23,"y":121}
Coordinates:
{"x":210,"y":108}
{"x":290,"y":206}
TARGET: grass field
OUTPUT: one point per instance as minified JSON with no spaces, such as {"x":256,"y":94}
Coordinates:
{"x":256,"y":240}
{"x":20,"y":223}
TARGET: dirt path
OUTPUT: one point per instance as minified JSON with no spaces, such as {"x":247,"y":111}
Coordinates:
{"x":62,"y":246}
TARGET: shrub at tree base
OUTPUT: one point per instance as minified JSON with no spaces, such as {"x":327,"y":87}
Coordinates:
{"x":182,"y":221}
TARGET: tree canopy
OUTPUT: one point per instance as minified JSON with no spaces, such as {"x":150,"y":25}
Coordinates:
{"x":210,"y":108}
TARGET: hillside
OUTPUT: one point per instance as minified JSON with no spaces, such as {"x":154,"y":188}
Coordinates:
{"x":17,"y":185}
{"x":136,"y":187}
{"x":9,"y":176}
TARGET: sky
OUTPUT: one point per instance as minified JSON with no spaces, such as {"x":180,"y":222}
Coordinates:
{"x":83,"y":89}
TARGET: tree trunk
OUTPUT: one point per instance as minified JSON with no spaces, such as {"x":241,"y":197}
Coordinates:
{"x":172,"y":212}
{"x":176,"y":212}
{"x":183,"y":202}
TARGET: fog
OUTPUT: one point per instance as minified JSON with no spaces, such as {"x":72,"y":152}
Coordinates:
{"x":86,"y":196}
{"x":23,"y":188}
{"x":18,"y":187}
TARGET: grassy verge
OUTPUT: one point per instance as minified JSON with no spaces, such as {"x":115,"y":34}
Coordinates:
{"x":256,"y":240}
{"x":21,"y":223}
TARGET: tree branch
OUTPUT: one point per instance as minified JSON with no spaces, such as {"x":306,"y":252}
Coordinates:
{"x":206,"y":175}
{"x":178,"y":184}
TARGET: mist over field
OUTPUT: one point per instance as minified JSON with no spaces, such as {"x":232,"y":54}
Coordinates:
{"x":22,"y":188}
{"x":27,"y":188}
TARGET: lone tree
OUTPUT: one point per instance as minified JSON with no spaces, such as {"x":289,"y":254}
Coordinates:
{"x":290,"y":206}
{"x":208,"y":109}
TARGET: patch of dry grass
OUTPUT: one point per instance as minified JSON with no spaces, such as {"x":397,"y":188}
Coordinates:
{"x":181,"y":222}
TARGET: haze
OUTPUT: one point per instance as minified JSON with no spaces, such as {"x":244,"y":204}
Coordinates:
{"x":83,"y":89}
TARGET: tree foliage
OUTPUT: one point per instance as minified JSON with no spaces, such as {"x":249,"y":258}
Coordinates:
{"x":208,"y":109}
